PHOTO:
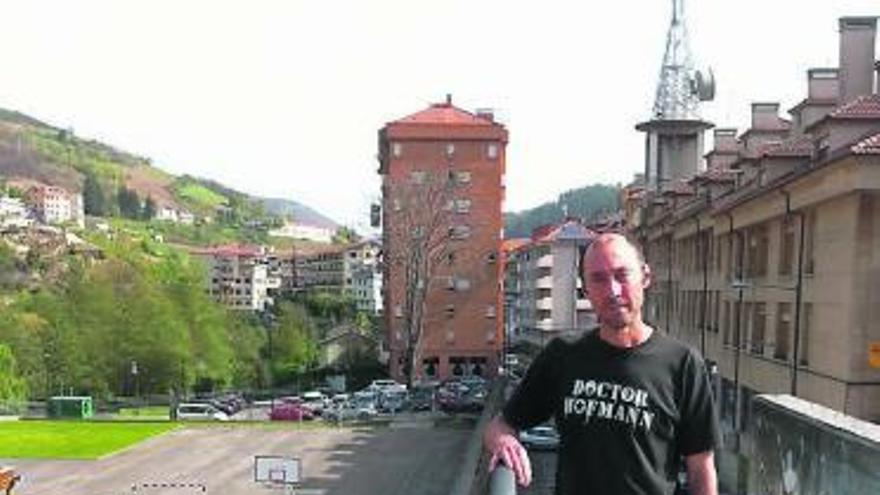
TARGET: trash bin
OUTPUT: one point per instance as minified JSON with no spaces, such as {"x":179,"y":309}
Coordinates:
{"x":70,"y":407}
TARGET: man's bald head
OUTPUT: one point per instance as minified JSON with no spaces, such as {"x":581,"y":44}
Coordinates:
{"x":619,"y":241}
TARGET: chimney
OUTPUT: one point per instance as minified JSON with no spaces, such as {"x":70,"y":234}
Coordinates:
{"x":857,"y":38}
{"x":725,"y":139}
{"x":823,"y":84}
{"x":449,"y":99}
{"x":486,"y":114}
{"x":765,"y":115}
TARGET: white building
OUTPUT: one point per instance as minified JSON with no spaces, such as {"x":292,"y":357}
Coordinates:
{"x":363,"y":276}
{"x":55,"y":205}
{"x":543,"y":286}
{"x":13,"y":212}
{"x":240,"y":276}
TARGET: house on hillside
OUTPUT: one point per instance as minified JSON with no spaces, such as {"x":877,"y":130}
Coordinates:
{"x":240,"y":276}
{"x":55,"y":205}
{"x":13,"y":213}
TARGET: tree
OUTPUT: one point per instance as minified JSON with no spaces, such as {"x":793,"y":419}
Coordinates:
{"x":418,"y":228}
{"x":149,"y":210}
{"x":345,"y":235}
{"x":93,"y":196}
{"x":294,"y":350}
{"x":129,"y":203}
{"x":13,"y":389}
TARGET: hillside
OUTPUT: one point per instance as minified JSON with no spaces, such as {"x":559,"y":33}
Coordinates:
{"x":32,"y":151}
{"x":586,"y":202}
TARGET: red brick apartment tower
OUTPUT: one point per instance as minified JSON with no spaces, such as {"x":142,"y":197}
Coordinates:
{"x":442,"y":179}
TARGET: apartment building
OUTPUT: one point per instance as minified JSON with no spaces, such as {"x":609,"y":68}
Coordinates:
{"x":543,"y":288}
{"x":56,"y":205}
{"x":240,"y":276}
{"x":363,"y":276}
{"x":442,"y":174}
{"x":768,"y":260}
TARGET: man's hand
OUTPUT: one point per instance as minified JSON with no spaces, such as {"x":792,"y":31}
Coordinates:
{"x":500,"y":441}
{"x":702,"y":479}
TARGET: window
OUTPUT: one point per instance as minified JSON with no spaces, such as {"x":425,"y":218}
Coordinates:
{"x":398,"y":311}
{"x":417,"y":176}
{"x":396,"y":150}
{"x":786,"y":246}
{"x":756,"y":254}
{"x":491,"y":257}
{"x":462,"y":205}
{"x":460,"y":232}
{"x":492,"y":151}
{"x":450,"y":337}
{"x":462,"y":284}
{"x":450,"y":150}
{"x":783,"y":331}
{"x":759,"y":322}
{"x":450,"y":310}
{"x":462,"y":177}
{"x":490,"y":311}
{"x":804,"y":347}
{"x":809,"y":242}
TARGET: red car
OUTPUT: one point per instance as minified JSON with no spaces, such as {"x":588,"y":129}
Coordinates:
{"x":291,"y":412}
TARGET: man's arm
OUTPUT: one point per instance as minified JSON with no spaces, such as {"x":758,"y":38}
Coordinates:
{"x":702,"y":479}
{"x":500,"y":441}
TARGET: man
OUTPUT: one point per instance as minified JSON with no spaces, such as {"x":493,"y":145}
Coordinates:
{"x":629,"y":401}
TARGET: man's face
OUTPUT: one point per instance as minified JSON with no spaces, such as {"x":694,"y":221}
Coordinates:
{"x":615,"y":283}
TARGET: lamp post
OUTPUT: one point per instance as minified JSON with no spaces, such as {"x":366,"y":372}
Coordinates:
{"x":739,"y":286}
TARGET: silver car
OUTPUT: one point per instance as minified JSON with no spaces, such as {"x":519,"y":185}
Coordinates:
{"x":540,"y":438}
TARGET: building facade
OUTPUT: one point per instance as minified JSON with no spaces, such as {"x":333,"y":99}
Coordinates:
{"x":240,"y":277}
{"x":55,"y":205}
{"x":442,"y":190}
{"x":769,"y":261}
{"x":543,"y":288}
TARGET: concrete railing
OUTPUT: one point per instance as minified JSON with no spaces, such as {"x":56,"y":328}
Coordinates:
{"x":473,"y":476}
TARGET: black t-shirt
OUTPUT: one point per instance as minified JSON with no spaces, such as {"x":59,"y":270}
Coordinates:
{"x":625,"y":416}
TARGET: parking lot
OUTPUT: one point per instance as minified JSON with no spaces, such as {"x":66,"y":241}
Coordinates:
{"x":412,"y":455}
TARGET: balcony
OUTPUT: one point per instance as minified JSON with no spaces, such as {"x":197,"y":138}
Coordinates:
{"x":544,"y":303}
{"x":544,"y":283}
{"x":584,"y":305}
{"x":545,"y":325}
{"x":545,"y":261}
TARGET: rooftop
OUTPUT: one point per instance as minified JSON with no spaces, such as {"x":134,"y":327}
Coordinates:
{"x":868,"y":146}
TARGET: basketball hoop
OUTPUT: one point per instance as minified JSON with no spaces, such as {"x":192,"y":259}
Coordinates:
{"x":276,"y":472}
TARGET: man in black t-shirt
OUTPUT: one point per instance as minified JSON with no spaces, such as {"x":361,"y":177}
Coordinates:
{"x":629,"y":401}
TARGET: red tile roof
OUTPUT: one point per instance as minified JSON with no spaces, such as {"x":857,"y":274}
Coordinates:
{"x":868,"y":146}
{"x":678,"y":188}
{"x":509,"y":245}
{"x":863,"y":107}
{"x":444,"y":113}
{"x":801,"y":146}
{"x":715,"y":175}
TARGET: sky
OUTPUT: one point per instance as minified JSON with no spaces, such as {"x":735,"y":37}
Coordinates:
{"x":284,"y":98}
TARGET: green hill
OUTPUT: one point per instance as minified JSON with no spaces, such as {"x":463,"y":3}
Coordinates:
{"x":586,"y":202}
{"x":116,"y":183}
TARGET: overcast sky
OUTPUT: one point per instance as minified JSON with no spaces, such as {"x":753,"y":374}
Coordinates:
{"x":284,"y":98}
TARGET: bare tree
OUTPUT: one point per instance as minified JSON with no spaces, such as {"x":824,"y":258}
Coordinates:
{"x":417,"y":232}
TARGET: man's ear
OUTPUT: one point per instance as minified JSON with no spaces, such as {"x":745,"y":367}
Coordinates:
{"x":647,"y":276}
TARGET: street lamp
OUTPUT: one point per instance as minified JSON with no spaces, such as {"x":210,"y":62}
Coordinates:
{"x":739,"y":285}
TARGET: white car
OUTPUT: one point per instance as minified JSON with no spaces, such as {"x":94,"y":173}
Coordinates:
{"x":200,"y":412}
{"x":316,"y":401}
{"x":540,"y":438}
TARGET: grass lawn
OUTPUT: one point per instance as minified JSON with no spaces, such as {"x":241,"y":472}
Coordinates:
{"x":72,"y":439}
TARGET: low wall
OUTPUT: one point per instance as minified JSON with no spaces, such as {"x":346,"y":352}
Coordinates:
{"x":798,"y":447}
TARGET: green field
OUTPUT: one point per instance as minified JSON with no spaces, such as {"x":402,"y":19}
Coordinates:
{"x":72,"y":439}
{"x":149,"y":412}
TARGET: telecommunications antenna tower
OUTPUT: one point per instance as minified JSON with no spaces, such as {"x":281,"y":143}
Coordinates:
{"x":681,"y":87}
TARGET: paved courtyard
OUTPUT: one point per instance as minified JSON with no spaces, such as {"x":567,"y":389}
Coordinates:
{"x":406,"y":458}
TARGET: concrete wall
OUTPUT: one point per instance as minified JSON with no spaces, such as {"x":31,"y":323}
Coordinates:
{"x":801,"y":448}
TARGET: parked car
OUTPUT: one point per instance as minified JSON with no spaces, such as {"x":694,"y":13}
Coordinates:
{"x":422,"y":397}
{"x":540,"y":438}
{"x":200,"y":412}
{"x":291,"y":412}
{"x":393,"y":400}
{"x":316,"y":401}
{"x":348,"y":411}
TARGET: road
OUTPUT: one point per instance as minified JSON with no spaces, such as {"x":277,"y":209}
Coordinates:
{"x":415,"y":457}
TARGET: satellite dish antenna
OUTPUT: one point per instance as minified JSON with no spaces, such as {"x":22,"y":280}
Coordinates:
{"x":703,"y":84}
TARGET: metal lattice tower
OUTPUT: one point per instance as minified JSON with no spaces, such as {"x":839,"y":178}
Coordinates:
{"x":677,"y":96}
